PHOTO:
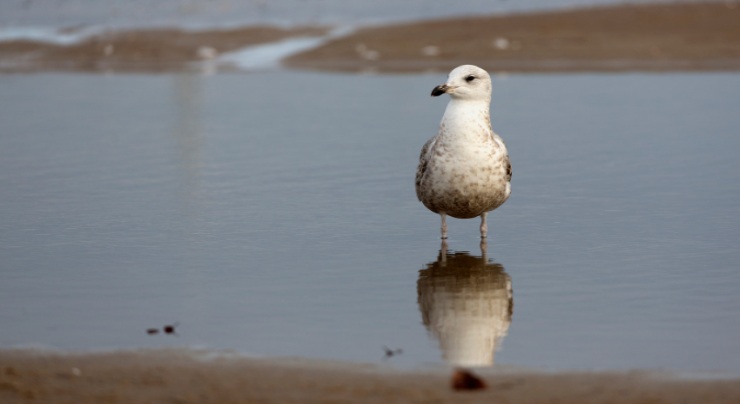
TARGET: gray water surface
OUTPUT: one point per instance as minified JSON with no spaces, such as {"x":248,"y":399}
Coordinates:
{"x":196,"y":13}
{"x":274,"y":214}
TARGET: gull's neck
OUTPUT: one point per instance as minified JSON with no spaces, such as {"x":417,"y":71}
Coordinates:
{"x":463,"y":115}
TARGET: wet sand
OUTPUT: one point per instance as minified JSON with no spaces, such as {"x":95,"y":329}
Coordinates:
{"x":661,"y":37}
{"x":630,"y":37}
{"x":180,"y":376}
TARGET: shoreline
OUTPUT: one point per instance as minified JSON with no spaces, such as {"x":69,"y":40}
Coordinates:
{"x":192,"y":376}
{"x":150,"y":50}
{"x":627,"y":37}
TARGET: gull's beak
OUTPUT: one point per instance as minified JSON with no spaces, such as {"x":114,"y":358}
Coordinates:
{"x":439,"y":90}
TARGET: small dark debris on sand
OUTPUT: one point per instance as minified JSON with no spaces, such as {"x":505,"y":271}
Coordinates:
{"x":465,"y":380}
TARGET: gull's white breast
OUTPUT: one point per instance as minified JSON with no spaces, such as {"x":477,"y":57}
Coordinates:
{"x":464,"y":171}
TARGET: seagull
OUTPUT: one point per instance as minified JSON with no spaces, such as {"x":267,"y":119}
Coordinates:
{"x":464,"y":171}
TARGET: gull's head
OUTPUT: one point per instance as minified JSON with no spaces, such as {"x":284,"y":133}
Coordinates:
{"x":466,"y":82}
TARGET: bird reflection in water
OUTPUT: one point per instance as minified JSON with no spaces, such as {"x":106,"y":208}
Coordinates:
{"x":466,"y":304}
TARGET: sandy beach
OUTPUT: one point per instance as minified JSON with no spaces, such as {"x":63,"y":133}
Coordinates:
{"x":659,"y":37}
{"x":180,"y":376}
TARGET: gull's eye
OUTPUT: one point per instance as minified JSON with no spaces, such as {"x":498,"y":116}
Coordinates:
{"x":470,"y":78}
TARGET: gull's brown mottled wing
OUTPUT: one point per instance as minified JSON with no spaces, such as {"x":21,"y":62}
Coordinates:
{"x":508,"y":169}
{"x":423,"y":161}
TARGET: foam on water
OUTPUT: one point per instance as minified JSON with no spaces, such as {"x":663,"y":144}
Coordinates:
{"x":47,"y":34}
{"x":269,"y":55}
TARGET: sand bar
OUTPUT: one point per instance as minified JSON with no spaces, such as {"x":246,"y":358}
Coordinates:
{"x":180,"y":376}
{"x":680,"y":36}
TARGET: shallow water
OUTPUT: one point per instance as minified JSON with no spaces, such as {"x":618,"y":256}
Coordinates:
{"x":194,"y":13}
{"x":274,"y":213}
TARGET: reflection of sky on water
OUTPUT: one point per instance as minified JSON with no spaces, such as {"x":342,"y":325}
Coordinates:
{"x":274,"y":214}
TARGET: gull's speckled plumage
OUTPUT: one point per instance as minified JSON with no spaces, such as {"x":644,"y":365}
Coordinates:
{"x":464,"y":171}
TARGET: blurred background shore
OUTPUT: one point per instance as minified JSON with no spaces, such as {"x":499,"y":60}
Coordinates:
{"x":609,"y":37}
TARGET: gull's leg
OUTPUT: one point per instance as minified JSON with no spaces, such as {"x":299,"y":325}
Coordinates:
{"x":444,"y":226}
{"x":443,"y":253}
{"x":483,"y":226}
